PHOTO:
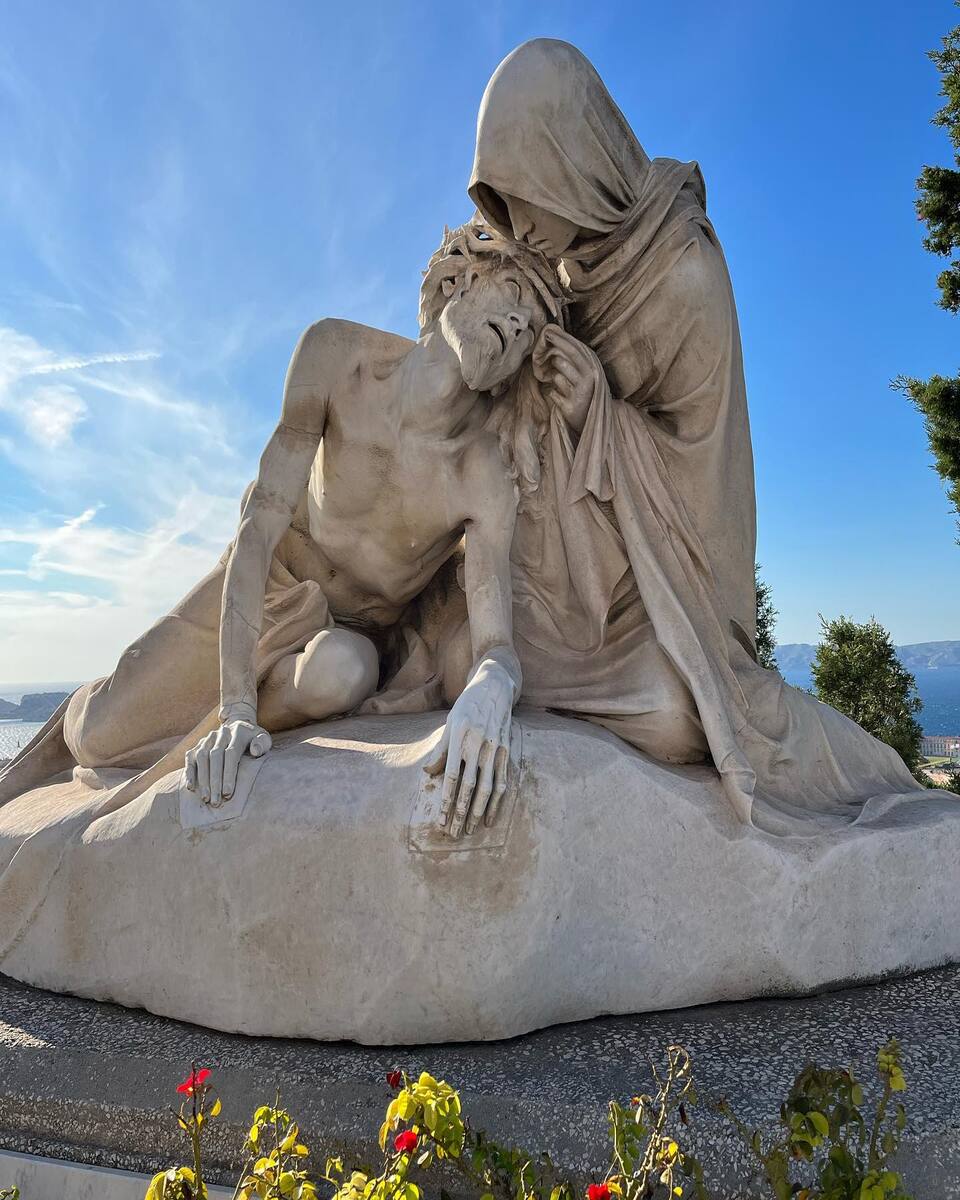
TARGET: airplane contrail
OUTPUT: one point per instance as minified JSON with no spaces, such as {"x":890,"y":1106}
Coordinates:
{"x":76,"y":364}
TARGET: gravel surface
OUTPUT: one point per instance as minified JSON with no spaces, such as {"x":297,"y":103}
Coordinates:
{"x":93,"y":1082}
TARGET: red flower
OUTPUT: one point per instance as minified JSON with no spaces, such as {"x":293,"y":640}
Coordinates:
{"x":194,"y":1082}
{"x":405,"y":1142}
{"x":394,"y":1078}
{"x":598,"y":1191}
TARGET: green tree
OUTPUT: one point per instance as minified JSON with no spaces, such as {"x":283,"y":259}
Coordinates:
{"x":938,"y":206}
{"x":938,"y":202}
{"x":766,"y":624}
{"x":856,"y":670}
{"x":938,"y":400}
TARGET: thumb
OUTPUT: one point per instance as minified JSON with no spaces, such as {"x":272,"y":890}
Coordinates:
{"x":260,"y":744}
{"x":540,"y":352}
{"x":437,"y":759}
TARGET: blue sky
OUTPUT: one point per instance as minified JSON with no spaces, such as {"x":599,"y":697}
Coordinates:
{"x":185,"y":186}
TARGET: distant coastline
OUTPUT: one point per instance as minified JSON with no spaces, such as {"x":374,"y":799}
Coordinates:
{"x":32,"y":706}
{"x":934,"y":665}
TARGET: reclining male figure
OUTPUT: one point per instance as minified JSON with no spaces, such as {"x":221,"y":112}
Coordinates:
{"x":381,"y":466}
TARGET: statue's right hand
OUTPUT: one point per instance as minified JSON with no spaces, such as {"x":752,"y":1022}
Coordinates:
{"x":211,"y":766}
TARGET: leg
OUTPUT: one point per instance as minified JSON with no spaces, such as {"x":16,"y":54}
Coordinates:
{"x":668,"y":728}
{"x":337,"y":670}
{"x":164,"y":683}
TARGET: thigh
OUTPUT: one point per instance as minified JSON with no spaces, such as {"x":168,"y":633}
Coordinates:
{"x":164,"y":683}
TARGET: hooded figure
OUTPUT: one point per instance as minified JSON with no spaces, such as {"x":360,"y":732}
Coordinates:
{"x":662,"y":471}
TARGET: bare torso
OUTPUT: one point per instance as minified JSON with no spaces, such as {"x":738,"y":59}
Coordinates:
{"x":387,"y":497}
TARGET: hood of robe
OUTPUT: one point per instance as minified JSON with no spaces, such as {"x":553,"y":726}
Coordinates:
{"x":549,"y":133}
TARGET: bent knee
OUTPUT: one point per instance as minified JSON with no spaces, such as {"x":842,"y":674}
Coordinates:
{"x":673,"y":734}
{"x":89,"y":728}
{"x":336,"y":671}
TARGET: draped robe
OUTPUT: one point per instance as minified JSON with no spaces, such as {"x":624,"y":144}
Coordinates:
{"x":670,"y":447}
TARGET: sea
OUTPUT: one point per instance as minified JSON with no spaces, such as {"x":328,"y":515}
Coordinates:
{"x":939,"y":690}
{"x":15,"y":734}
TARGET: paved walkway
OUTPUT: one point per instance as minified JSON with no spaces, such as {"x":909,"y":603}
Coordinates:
{"x":93,"y":1082}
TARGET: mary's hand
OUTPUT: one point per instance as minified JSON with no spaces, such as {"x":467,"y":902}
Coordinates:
{"x":566,"y":368}
{"x":474,"y":751}
{"x":212,"y":765}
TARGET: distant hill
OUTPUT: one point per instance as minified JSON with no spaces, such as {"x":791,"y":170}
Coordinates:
{"x":34,"y":706}
{"x":935,"y":665}
{"x":797,"y":657}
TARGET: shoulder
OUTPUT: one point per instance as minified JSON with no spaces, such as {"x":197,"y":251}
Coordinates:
{"x":699,"y":278}
{"x":333,"y":341}
{"x":330,"y":353}
{"x":489,"y":491}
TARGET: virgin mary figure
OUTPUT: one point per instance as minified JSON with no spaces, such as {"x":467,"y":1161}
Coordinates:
{"x":634,"y":594}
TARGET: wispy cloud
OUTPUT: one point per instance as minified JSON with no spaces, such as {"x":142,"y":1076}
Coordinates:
{"x":155,"y":480}
{"x":50,"y":414}
{"x":94,"y":360}
{"x":124,"y":579}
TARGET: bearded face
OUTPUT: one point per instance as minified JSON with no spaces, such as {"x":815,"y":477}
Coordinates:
{"x":491,"y":320}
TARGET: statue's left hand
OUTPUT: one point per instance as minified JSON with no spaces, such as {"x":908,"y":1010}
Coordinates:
{"x":211,"y":766}
{"x":475,"y":738}
{"x":565,"y":368}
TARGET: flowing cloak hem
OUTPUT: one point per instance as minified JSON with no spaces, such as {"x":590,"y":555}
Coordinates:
{"x":786,"y":760}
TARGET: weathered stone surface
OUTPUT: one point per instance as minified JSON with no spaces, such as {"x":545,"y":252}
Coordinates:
{"x":609,"y":884}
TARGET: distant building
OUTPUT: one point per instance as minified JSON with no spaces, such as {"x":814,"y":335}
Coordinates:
{"x":941,"y":745}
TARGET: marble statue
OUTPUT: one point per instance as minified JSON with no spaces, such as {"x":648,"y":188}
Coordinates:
{"x":476,"y":681}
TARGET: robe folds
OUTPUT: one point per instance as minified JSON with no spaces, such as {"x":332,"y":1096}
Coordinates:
{"x":621,"y":564}
{"x":667,"y":443}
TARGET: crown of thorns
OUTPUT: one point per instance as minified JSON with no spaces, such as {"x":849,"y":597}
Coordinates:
{"x":474,"y":242}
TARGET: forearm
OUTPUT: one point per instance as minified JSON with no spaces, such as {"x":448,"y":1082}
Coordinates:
{"x":490,"y":599}
{"x":240,"y":622}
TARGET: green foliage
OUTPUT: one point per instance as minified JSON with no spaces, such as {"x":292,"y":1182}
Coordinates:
{"x":824,"y":1136}
{"x":856,"y":670}
{"x":766,"y":624}
{"x":275,"y":1168}
{"x":11,"y":1193}
{"x":938,"y":202}
{"x":823,"y":1131}
{"x":938,"y":206}
{"x":938,"y":401}
{"x":646,"y":1161}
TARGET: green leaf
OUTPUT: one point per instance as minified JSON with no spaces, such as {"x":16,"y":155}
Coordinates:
{"x":820,"y":1123}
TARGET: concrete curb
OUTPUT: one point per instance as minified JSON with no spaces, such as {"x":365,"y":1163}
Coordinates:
{"x":53,"y":1179}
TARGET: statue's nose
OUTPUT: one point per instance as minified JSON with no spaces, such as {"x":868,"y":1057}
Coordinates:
{"x":518,"y":322}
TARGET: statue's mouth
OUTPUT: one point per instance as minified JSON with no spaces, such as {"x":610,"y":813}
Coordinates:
{"x":500,"y":338}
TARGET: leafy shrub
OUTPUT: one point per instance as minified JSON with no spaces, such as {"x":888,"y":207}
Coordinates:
{"x":826,"y":1148}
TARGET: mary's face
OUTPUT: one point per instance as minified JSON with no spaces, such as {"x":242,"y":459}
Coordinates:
{"x":545,"y":231}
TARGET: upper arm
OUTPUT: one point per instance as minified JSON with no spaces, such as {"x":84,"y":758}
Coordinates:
{"x":289,"y":454}
{"x":489,"y":496}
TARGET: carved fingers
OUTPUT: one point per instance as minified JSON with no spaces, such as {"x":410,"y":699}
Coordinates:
{"x":211,"y":766}
{"x":474,"y":755}
{"x":565,"y":368}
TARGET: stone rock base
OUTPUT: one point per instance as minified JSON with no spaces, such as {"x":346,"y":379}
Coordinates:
{"x":322,"y":902}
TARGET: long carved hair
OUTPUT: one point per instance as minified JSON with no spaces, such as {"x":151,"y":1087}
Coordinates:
{"x":520,"y":416}
{"x":476,"y":242}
